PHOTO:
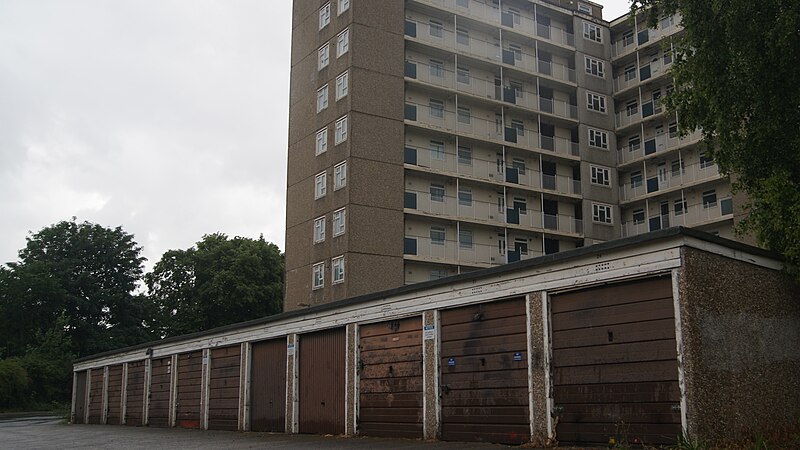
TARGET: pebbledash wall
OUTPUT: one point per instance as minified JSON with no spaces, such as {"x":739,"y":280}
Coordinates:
{"x":638,"y":339}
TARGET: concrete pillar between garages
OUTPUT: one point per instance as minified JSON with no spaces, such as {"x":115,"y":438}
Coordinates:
{"x":88,"y":396}
{"x":431,"y":408}
{"x":74,"y":396}
{"x":351,"y":380}
{"x":148,"y":368}
{"x":123,"y":397}
{"x":173,"y":390}
{"x":104,"y":410}
{"x":244,"y":387}
{"x":538,"y":367}
{"x":204,"y":384}
{"x":292,"y":425}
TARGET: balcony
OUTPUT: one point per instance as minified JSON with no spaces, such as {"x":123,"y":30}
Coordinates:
{"x":461,"y":253}
{"x":649,"y":108}
{"x":666,"y":179}
{"x":561,"y":184}
{"x":644,"y":38}
{"x":695,"y":215}
{"x":563,"y":223}
{"x":657,"y":144}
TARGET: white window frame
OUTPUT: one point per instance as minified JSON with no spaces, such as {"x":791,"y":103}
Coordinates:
{"x":584,"y":8}
{"x":342,"y":6}
{"x":464,"y":196}
{"x":321,"y":145}
{"x":594,"y":99}
{"x":323,"y":56}
{"x":320,"y":185}
{"x":463,"y":75}
{"x":337,"y":270}
{"x":608,"y":212}
{"x":325,"y":15}
{"x":342,"y":82}
{"x":318,"y":276}
{"x":322,"y":98}
{"x":598,"y":137}
{"x":464,"y":155}
{"x":595,"y":67}
{"x":466,"y":239}
{"x":319,"y":230}
{"x":438,"y":230}
{"x":436,"y":105}
{"x":437,"y":150}
{"x":340,"y":175}
{"x":600,"y":176}
{"x":436,"y":68}
{"x":343,"y":42}
{"x":592,"y":32}
{"x":436,"y":25}
{"x":441,"y":192}
{"x":338,"y":224}
{"x":464,"y":115}
{"x":341,"y":130}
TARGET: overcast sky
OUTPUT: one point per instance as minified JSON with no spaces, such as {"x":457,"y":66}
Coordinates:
{"x":166,"y":117}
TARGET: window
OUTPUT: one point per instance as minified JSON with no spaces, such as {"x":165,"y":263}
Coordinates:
{"x":516,"y":50}
{"x":437,"y":274}
{"x":464,"y":155}
{"x":519,"y":164}
{"x":515,"y":16}
{"x":324,"y":16}
{"x":521,"y":205}
{"x":638,"y":216}
{"x":437,"y":150}
{"x":437,"y":235}
{"x":464,"y":115}
{"x":462,"y":3}
{"x":338,"y":222}
{"x":319,"y":185}
{"x":341,"y":130}
{"x":596,"y":102}
{"x":632,"y":107}
{"x":342,"y":43}
{"x":678,"y":168}
{"x":462,"y":75}
{"x":592,"y":32}
{"x":680,"y":206}
{"x":634,"y":143}
{"x":601,"y":213}
{"x":462,"y":36}
{"x":598,"y":139}
{"x":630,"y":73}
{"x":318,"y":275}
{"x":627,"y":38}
{"x":322,"y":98}
{"x":437,"y":192}
{"x":600,"y":175}
{"x":595,"y":67}
{"x":636,"y":179}
{"x":518,"y":89}
{"x":337,"y":270}
{"x":673,"y":130}
{"x":667,"y":57}
{"x":322,"y":141}
{"x":344,"y":5}
{"x":519,"y":126}
{"x":666,"y":22}
{"x":465,"y":238}
{"x":436,"y":29}
{"x":705,"y":160}
{"x":341,"y":85}
{"x":586,"y":9}
{"x":323,"y":56}
{"x":709,"y":199}
{"x":436,"y":68}
{"x":340,"y":176}
{"x":464,"y":196}
{"x":319,"y":229}
{"x":436,"y":108}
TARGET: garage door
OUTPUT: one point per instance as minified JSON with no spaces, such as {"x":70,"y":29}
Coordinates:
{"x":187,"y":403}
{"x":223,"y":395}
{"x":80,"y":397}
{"x":268,"y":386}
{"x":615,"y":371}
{"x":160,"y":381}
{"x":322,"y":382}
{"x":134,"y":394}
{"x":390,"y":386}
{"x":484,"y":365}
{"x":96,"y":396}
{"x":114,"y":394}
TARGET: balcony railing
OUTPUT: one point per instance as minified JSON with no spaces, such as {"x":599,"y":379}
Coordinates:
{"x":563,"y":223}
{"x":666,"y":179}
{"x":644,"y":38}
{"x":656,"y":144}
{"x":455,"y":252}
{"x":646,"y":109}
{"x":693,"y":216}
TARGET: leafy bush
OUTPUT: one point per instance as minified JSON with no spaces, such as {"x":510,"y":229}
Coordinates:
{"x":13,"y":383}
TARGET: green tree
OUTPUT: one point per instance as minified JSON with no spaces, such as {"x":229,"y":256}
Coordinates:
{"x":735,"y":78}
{"x":218,"y":282}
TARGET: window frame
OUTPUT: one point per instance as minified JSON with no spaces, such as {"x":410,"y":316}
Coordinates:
{"x":319,"y":230}
{"x":600,"y":175}
{"x":340,"y":134}
{"x":342,"y":85}
{"x":342,"y":42}
{"x":320,"y":185}
{"x":438,"y":230}
{"x":337,"y":270}
{"x":436,"y":150}
{"x":318,"y":276}
{"x":592,"y":32}
{"x":466,"y":239}
{"x":323,"y":56}
{"x":464,"y":196}
{"x":338,"y":222}
{"x":321,"y":141}
{"x":325,"y":15}
{"x":439,"y":194}
{"x":436,"y":25}
{"x":342,"y":6}
{"x":436,"y":105}
{"x":340,"y":175}
{"x":594,"y":135}
{"x":322,"y":98}
{"x":600,"y":209}
{"x":595,"y":67}
{"x":600,"y":100}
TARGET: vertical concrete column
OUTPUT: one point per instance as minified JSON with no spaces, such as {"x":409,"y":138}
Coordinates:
{"x":292,"y":346}
{"x":351,"y":380}
{"x":205,"y":381}
{"x":676,"y":298}
{"x":545,"y":390}
{"x":431,"y":407}
{"x":173,"y":389}
{"x":74,"y":396}
{"x":104,"y":411}
{"x":123,"y":398}
{"x":244,"y":387}
{"x":537,"y":386}
{"x":148,"y":375}
{"x":88,"y":396}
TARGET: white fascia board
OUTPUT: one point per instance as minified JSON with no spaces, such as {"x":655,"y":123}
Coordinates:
{"x":733,"y":253}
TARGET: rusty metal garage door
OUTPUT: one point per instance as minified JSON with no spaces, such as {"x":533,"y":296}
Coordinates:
{"x":615,"y":371}
{"x":160,"y":381}
{"x":223,"y":405}
{"x":268,"y":386}
{"x":322,"y":361}
{"x":114,"y":394}
{"x":390,"y":371}
{"x":484,"y":365}
{"x":187,"y":403}
{"x":80,"y":397}
{"x":96,"y":396}
{"x":134,"y":394}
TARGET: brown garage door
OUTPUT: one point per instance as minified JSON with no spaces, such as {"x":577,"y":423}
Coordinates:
{"x":223,"y":395}
{"x":484,"y":365}
{"x":268,"y":386}
{"x":322,"y":382}
{"x":134,"y":394}
{"x":615,"y":371}
{"x":96,"y":396}
{"x":160,"y":380}
{"x":114,"y":394}
{"x":190,"y":374}
{"x":80,"y":397}
{"x":390,"y":370}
